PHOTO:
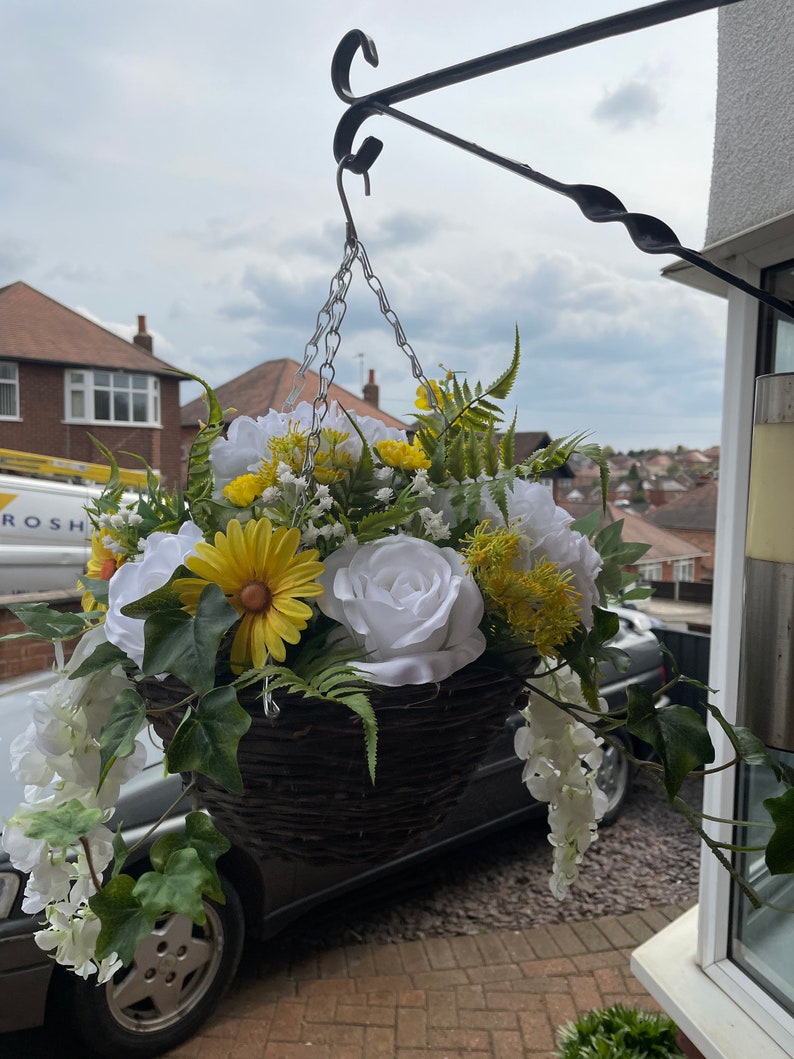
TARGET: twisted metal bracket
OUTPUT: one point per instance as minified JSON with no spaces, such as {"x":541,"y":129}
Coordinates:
{"x":649,"y":234}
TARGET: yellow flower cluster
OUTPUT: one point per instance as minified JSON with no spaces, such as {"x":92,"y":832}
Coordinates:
{"x":404,"y":455}
{"x":538,"y":605}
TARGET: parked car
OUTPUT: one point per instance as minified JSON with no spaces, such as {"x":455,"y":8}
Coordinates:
{"x":182,"y":970}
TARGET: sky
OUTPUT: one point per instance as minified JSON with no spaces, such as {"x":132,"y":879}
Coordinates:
{"x":173,"y":158}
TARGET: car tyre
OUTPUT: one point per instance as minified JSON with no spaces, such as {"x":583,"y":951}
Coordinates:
{"x":615,"y":777}
{"x":177,"y":977}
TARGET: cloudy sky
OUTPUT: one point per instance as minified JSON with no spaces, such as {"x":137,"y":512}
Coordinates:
{"x":173,"y":158}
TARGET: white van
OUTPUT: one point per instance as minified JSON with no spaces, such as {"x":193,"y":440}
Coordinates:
{"x":45,"y":533}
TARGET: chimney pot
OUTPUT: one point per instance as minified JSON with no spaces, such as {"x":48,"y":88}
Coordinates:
{"x":143,"y":338}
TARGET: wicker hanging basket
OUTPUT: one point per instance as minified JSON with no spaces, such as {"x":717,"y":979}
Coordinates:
{"x":308,"y":795}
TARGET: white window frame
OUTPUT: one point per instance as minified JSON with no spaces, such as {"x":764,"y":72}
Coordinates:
{"x":12,"y":382}
{"x":718,"y":799}
{"x":683,"y":570}
{"x":90,"y":383}
{"x":651,"y":571}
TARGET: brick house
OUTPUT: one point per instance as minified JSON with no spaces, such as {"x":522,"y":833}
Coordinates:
{"x":267,"y":386}
{"x":63,"y":376}
{"x":693,"y":516}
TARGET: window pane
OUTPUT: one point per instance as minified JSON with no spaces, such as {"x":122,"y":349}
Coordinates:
{"x":101,"y":404}
{"x":101,"y":378}
{"x":121,"y":407}
{"x":8,"y":371}
{"x":140,"y":382}
{"x":78,"y":404}
{"x":140,"y":406}
{"x":8,"y":400}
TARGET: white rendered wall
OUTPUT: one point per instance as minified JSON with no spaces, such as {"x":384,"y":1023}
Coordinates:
{"x":753,"y":169}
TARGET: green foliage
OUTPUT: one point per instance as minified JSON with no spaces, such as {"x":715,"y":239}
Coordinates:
{"x":780,"y":848}
{"x":207,"y":739}
{"x":676,"y":733}
{"x":64,"y":825}
{"x":187,"y":646}
{"x":202,"y":836}
{"x":198,"y":490}
{"x":459,"y":438}
{"x":43,"y":623}
{"x":618,"y":1032}
{"x":125,"y":922}
{"x":117,"y":738}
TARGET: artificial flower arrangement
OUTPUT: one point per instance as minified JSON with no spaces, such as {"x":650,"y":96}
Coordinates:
{"x":396,"y":562}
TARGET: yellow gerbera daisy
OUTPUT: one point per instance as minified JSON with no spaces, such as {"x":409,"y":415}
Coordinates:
{"x":102,"y":563}
{"x":262,"y":575}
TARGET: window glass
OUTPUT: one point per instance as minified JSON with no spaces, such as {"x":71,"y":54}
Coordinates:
{"x":9,"y":390}
{"x":112,"y":397}
{"x":101,"y":405}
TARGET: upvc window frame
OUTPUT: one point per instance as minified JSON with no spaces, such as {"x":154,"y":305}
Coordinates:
{"x":12,"y":382}
{"x":120,"y":388}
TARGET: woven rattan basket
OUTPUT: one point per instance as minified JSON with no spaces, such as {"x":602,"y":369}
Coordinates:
{"x":308,"y":795}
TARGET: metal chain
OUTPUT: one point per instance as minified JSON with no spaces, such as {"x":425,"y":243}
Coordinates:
{"x":329,"y":321}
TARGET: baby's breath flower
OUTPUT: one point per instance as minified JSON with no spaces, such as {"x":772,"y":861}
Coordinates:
{"x":434,"y":525}
{"x":385,"y":495}
{"x":420,"y":484}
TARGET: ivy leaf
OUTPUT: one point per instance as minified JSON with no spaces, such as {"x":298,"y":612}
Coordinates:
{"x":64,"y":825}
{"x":120,"y":851}
{"x":178,"y":888}
{"x":104,"y":656}
{"x":207,"y":739}
{"x":125,"y":922}
{"x":187,"y":646}
{"x":117,"y":738}
{"x":97,"y":586}
{"x":202,"y":836}
{"x":780,"y":848}
{"x":44,"y":623}
{"x":676,"y":733}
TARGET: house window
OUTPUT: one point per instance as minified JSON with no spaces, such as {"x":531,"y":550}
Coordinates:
{"x":684,"y":570}
{"x":650,"y":571}
{"x":9,"y":391}
{"x":112,"y":397}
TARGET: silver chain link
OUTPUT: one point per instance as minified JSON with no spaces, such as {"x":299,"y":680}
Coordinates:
{"x":329,"y":320}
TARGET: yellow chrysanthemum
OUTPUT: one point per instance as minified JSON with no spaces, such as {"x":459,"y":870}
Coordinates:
{"x":262,"y":575}
{"x":244,"y":490}
{"x":539,"y":605}
{"x":102,"y":564}
{"x":402,"y":454}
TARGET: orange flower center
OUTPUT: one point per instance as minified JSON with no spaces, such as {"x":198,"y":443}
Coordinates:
{"x":255,"y":597}
{"x":108,"y":569}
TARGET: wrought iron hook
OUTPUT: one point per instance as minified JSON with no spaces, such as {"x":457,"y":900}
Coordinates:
{"x":356,"y":163}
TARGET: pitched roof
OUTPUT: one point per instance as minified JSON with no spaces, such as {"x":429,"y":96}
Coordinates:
{"x":637,"y":529}
{"x":695,"y":510}
{"x":36,"y":328}
{"x":268,"y":385}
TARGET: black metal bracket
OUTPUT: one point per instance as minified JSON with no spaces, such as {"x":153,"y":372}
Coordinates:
{"x":648,"y":233}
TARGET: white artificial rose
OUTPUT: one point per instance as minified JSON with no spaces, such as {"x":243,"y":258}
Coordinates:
{"x":410,"y":606}
{"x":164,"y":553}
{"x":546,"y":531}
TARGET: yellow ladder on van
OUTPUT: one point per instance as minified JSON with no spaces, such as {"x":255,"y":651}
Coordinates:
{"x":31,"y":463}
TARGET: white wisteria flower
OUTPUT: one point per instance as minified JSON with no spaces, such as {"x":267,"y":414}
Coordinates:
{"x":562,"y":757}
{"x":410,"y":606}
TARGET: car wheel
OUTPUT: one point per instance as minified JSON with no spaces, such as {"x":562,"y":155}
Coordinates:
{"x":178,"y":975}
{"x":615,"y":775}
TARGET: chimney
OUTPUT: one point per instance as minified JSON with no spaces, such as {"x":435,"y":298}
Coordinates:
{"x":371,"y":391}
{"x":143,"y":338}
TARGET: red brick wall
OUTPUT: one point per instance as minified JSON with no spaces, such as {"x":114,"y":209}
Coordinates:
{"x":42,"y":430}
{"x":18,"y":657}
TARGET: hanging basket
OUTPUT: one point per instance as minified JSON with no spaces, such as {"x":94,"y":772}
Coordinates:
{"x":308,"y":795}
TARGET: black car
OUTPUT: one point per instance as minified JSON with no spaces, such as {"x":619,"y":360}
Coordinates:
{"x":181,"y":971}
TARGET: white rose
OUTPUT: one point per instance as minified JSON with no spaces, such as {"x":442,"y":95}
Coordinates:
{"x":411,"y":606}
{"x":164,"y":553}
{"x":246,"y":445}
{"x":546,"y":531}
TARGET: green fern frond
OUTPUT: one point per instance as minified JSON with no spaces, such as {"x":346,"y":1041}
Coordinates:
{"x":338,"y":683}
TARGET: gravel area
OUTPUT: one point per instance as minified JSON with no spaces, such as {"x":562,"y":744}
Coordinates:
{"x":649,"y":856}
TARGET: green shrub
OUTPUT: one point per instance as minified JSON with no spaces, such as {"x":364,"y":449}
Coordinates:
{"x":619,"y":1032}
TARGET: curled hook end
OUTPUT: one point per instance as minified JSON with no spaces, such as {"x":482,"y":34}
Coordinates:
{"x":358,"y":163}
{"x":343,"y":60}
